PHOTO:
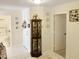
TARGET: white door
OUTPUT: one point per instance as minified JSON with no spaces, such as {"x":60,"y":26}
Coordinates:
{"x":60,"y":31}
{"x":5,"y":30}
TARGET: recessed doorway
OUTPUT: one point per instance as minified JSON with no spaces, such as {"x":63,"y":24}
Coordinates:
{"x":60,"y":34}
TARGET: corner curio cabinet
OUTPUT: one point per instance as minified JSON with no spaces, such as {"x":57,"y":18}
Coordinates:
{"x":36,"y":43}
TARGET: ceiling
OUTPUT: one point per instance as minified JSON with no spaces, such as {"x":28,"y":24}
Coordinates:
{"x":29,"y":3}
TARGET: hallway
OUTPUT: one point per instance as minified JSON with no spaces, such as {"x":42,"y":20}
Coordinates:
{"x":17,"y":38}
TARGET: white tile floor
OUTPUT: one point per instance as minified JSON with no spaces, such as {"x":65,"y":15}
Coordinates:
{"x":21,"y":53}
{"x":61,"y":52}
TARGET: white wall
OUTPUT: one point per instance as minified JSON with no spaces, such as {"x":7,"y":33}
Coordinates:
{"x":26,"y":31}
{"x":72,"y":37}
{"x":16,"y":33}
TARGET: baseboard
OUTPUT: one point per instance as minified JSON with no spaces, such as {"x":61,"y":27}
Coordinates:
{"x":60,"y":49}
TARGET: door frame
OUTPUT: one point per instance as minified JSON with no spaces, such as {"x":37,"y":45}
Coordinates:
{"x":54,"y":29}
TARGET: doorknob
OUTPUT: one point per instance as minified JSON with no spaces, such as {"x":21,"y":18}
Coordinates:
{"x":8,"y":30}
{"x":64,"y":33}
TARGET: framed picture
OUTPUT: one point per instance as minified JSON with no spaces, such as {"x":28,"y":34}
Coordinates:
{"x":28,"y":25}
{"x":24,"y":24}
{"x":74,"y":15}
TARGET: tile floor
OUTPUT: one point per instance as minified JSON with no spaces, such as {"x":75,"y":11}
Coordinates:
{"x":22,"y":53}
{"x":62,"y":52}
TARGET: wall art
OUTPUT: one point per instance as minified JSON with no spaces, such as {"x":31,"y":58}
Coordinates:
{"x":17,"y":22}
{"x":24,"y":24}
{"x":28,"y":25}
{"x":74,"y":15}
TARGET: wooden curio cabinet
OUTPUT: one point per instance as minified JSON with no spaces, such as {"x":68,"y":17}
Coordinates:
{"x":36,"y":37}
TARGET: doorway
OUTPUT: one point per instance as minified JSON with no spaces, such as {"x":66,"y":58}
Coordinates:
{"x":60,"y":34}
{"x":5,"y":30}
